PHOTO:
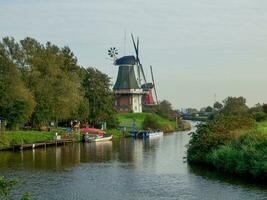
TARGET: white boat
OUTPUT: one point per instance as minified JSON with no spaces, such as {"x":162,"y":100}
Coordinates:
{"x":146,"y":134}
{"x":155,"y":134}
{"x":95,"y":135}
{"x":97,"y":138}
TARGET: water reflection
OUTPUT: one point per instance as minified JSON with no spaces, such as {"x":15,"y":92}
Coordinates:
{"x":125,"y":169}
{"x":70,"y":155}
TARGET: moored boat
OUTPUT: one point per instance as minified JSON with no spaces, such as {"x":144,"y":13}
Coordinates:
{"x":95,"y":135}
{"x":146,"y":134}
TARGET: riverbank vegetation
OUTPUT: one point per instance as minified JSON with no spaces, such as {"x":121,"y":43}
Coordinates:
{"x":40,"y":84}
{"x":234,"y":140}
{"x":6,"y":187}
{"x":42,"y":87}
{"x":151,"y":121}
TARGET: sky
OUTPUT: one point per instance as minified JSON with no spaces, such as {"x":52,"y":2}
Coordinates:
{"x":197,"y":48}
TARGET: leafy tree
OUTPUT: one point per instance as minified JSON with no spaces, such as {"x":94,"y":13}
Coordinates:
{"x":165,"y":110}
{"x":16,"y":101}
{"x":100,"y":97}
{"x":151,"y":122}
{"x":51,"y":74}
{"x":265,"y":108}
{"x":235,"y":106}
{"x":217,"y":105}
{"x":209,"y":109}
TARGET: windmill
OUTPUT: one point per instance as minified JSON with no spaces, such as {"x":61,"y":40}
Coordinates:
{"x":148,"y":99}
{"x":131,"y":92}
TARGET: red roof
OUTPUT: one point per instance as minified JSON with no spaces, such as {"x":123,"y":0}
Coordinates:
{"x":92,"y":131}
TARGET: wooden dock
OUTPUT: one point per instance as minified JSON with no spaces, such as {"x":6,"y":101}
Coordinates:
{"x":42,"y":144}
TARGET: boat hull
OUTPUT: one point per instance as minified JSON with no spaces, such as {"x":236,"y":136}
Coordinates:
{"x":95,"y":138}
{"x":146,"y":134}
{"x":104,"y":139}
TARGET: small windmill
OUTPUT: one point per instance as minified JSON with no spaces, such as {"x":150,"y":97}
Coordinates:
{"x":113,"y":53}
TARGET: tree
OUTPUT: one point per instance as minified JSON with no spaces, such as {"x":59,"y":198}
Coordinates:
{"x":100,"y":97}
{"x":151,"y":122}
{"x":52,"y":76}
{"x":165,"y":110}
{"x":209,"y":109}
{"x":16,"y":101}
{"x":217,"y":106}
{"x":235,"y":106}
{"x":265,"y":108}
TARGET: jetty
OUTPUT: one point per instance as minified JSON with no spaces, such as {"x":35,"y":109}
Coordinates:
{"x":42,"y":144}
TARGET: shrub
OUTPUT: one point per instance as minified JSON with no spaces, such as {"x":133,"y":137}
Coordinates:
{"x":245,"y":156}
{"x":151,"y":122}
{"x":167,"y":128}
{"x":4,"y":142}
{"x":220,"y":131}
{"x":260,"y":116}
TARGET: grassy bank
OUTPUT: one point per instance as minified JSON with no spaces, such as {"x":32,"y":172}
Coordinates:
{"x":127,"y":120}
{"x":24,"y":137}
{"x":232,"y":147}
{"x":9,"y":138}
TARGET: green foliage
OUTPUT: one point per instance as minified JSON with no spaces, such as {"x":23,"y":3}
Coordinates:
{"x":99,"y":97}
{"x":42,"y":83}
{"x":127,"y":120}
{"x":235,"y":106}
{"x":50,"y":73}
{"x":151,"y":122}
{"x":4,"y":142}
{"x":27,"y":137}
{"x":264,"y":107}
{"x":16,"y":101}
{"x":209,"y":109}
{"x":217,"y":106}
{"x":215,"y":133}
{"x":232,"y":142}
{"x":7,"y":185}
{"x":26,"y":196}
{"x":167,"y":128}
{"x":244,"y":156}
{"x":260,"y":116}
{"x":165,"y":110}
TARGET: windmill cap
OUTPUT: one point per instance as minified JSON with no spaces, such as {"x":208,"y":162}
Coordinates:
{"x":125,"y":60}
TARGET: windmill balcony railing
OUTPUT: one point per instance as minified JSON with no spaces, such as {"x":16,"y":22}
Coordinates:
{"x":130,"y":91}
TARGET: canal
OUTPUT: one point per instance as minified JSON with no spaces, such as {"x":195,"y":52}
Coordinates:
{"x":123,"y":169}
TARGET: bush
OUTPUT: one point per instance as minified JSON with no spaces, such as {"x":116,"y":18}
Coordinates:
{"x":167,"y":128}
{"x":151,"y":122}
{"x":245,"y":156}
{"x":4,"y":142}
{"x":6,"y":186}
{"x":220,"y":131}
{"x":260,"y":116}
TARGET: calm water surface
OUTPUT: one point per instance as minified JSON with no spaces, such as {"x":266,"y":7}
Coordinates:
{"x":124,"y":169}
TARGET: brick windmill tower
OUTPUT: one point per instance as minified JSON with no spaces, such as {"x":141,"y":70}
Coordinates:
{"x":130,"y":92}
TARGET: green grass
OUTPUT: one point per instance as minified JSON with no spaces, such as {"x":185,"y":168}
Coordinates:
{"x":126,"y":119}
{"x":117,"y":133}
{"x":262,"y":127}
{"x":25,"y":137}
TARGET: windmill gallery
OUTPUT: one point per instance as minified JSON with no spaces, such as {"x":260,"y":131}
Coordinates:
{"x":132,"y":93}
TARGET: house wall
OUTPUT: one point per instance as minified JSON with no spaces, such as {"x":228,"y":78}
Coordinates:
{"x":129,"y":103}
{"x":137,"y":103}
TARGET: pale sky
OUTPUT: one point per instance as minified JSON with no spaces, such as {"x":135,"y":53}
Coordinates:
{"x":197,"y":48}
